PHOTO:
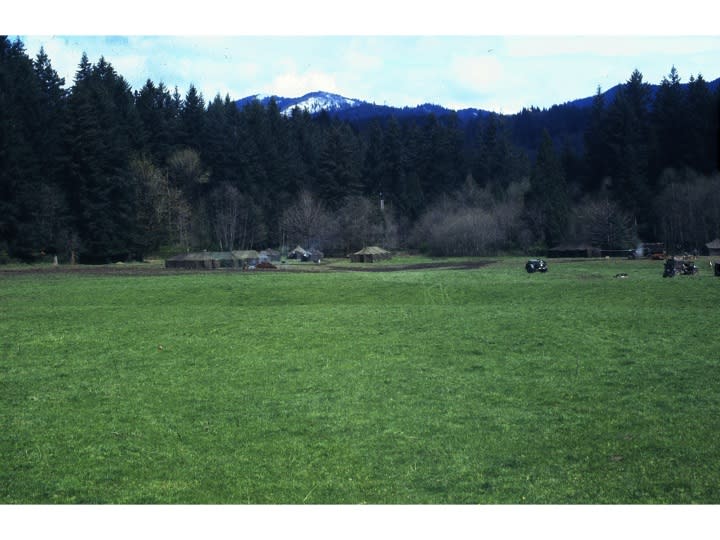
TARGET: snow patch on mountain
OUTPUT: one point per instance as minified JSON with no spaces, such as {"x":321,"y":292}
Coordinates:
{"x":314,"y":102}
{"x":319,"y":101}
{"x":347,"y":108}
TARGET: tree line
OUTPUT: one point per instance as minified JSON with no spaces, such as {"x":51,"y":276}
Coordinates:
{"x":100,"y":172}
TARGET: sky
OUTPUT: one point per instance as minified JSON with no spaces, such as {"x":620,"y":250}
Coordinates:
{"x":521,"y":55}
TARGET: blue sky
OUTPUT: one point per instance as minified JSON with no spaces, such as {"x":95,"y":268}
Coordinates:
{"x":502,"y":60}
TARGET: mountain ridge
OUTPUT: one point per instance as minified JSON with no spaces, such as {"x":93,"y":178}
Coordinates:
{"x":350,"y":108}
{"x":355,"y":109}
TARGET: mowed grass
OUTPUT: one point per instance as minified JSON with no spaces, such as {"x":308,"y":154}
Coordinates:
{"x":473,"y":386}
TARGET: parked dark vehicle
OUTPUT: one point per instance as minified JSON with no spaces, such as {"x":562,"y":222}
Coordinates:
{"x":536,"y":265}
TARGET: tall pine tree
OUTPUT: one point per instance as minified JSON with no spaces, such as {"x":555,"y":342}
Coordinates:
{"x":547,"y":202}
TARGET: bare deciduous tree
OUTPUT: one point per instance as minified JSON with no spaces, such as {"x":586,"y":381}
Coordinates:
{"x":360,"y":222}
{"x":307,"y":221}
{"x":162,"y":208}
{"x":186,"y":170}
{"x":151,"y":191}
{"x":472,"y":222}
{"x":688,"y":209}
{"x":604,"y":224}
{"x":235,"y":220}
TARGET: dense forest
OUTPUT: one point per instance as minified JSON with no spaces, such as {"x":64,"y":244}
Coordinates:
{"x":101,"y":172}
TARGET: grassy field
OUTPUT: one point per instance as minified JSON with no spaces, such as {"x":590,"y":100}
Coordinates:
{"x":429,"y":386}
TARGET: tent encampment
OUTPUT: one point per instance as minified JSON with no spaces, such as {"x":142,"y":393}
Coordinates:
{"x":209,"y":260}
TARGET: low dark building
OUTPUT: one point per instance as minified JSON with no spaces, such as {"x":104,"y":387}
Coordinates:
{"x":269,"y":255}
{"x":210,"y":260}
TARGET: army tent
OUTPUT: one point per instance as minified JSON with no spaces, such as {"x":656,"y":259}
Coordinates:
{"x":269,"y":255}
{"x":370,"y":254}
{"x":248,"y":257}
{"x":713,"y":248}
{"x":204,"y":260}
{"x":298,"y":253}
{"x":208,"y":260}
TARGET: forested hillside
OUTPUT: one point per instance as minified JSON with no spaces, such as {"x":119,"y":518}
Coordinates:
{"x":96,"y":171}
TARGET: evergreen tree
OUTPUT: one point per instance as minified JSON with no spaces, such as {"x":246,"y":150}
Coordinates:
{"x":280,"y":160}
{"x":102,"y":133}
{"x":547,"y":201}
{"x":670,"y":128}
{"x":338,"y":167}
{"x":703,"y":121}
{"x":252,"y":139}
{"x":596,"y":145}
{"x":402,"y":191}
{"x":574,"y":168}
{"x":192,"y":119}
{"x":16,"y":86}
{"x":372,"y":162}
{"x":496,"y":162}
{"x":305,"y":145}
{"x":217,"y":141}
{"x":628,"y":134}
{"x":50,"y":219}
{"x":158,"y":114}
{"x":32,"y":210}
{"x":84,"y":70}
{"x":438,"y":158}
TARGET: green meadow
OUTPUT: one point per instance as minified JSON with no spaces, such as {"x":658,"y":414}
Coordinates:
{"x":477,"y":386}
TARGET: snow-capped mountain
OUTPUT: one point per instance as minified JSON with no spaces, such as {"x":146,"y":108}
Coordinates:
{"x":351,"y":109}
{"x":314,"y":102}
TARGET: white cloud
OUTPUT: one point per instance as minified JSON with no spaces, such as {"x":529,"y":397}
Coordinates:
{"x":479,"y":73}
{"x":355,"y":60}
{"x":131,"y":64}
{"x":614,"y":46}
{"x":294,"y":84}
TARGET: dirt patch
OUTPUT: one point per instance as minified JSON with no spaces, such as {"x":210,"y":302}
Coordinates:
{"x":157,"y":270}
{"x":467,"y":265}
{"x":91,"y":270}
